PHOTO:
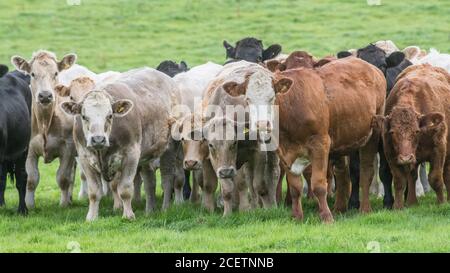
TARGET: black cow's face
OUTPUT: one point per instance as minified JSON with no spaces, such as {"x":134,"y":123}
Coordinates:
{"x":3,"y":70}
{"x":251,"y":50}
{"x":171,"y":68}
{"x":373,"y":55}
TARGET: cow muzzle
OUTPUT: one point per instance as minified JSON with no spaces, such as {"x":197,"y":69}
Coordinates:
{"x":226,"y":172}
{"x":98,"y":142}
{"x":192,"y":165}
{"x":406,"y":159}
{"x":45,"y":97}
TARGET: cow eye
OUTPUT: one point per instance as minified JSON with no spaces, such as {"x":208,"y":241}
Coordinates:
{"x":84,"y":118}
{"x":210,"y":146}
{"x":56,"y":74}
{"x":33,"y":75}
{"x":110,"y":116}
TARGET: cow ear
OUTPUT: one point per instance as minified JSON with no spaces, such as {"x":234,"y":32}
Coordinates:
{"x":343,"y":54}
{"x":411,"y":52}
{"x":3,"y":70}
{"x":229,"y":49}
{"x":282,"y":85}
{"x":183,"y":66}
{"x":71,"y":108}
{"x":377,"y":123}
{"x":62,"y":90}
{"x":234,"y":89}
{"x":21,"y":64}
{"x":272,"y":65}
{"x":271,"y":52}
{"x":67,"y":61}
{"x":430,"y":121}
{"x":122,"y":107}
{"x":395,"y":59}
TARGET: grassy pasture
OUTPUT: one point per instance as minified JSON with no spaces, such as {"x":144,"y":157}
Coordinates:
{"x":123,"y":34}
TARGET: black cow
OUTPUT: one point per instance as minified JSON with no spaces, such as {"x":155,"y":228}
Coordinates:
{"x":251,"y":50}
{"x":172,"y":68}
{"x":3,"y":70}
{"x":15,"y":131}
{"x":391,"y":66}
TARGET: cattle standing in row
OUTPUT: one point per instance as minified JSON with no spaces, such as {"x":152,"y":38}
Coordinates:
{"x":251,"y":50}
{"x":15,"y":131}
{"x":51,"y":129}
{"x":317,"y":110}
{"x":124,"y":125}
{"x":415,"y":130}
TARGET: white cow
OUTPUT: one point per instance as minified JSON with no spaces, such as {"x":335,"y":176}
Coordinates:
{"x":436,"y":59}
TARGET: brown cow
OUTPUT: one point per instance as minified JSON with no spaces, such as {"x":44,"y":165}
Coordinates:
{"x":415,"y":130}
{"x":324,"y":112}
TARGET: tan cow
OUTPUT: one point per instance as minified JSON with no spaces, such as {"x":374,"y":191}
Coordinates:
{"x":51,"y":129}
{"x":415,"y":130}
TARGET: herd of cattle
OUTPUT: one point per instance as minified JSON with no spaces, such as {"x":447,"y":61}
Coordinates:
{"x":335,"y":118}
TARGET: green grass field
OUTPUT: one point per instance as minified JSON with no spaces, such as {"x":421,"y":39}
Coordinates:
{"x":132,"y":33}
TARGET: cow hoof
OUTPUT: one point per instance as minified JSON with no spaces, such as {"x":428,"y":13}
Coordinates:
{"x":326,"y":217}
{"x":129,"y":216}
{"x":29,"y":200}
{"x":297,"y":216}
{"x":340,"y":208}
{"x":2,"y":203}
{"x":365,"y":209}
{"x":91,"y":218}
{"x":388,"y":204}
{"x":22,"y":211}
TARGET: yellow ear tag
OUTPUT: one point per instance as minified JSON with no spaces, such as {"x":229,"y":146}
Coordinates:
{"x":121,"y":109}
{"x":246,"y":130}
{"x":66,"y":66}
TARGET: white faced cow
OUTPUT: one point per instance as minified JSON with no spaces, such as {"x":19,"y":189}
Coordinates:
{"x":124,"y":125}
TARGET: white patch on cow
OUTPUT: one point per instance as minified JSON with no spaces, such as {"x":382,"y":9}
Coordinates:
{"x":299,"y":165}
{"x":437,"y":59}
{"x":260,"y":96}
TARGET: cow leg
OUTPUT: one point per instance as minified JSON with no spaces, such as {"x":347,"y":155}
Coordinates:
{"x":343,"y":184}
{"x":3,"y":178}
{"x":424,"y":178}
{"x":447,"y":177}
{"x":149,"y":178}
{"x":167,"y":169}
{"x":21,"y":183}
{"x":242,"y":190}
{"x":137,"y":188}
{"x":412,"y":197}
{"x":209,"y":185}
{"x":279,"y":192}
{"x":179,"y":182}
{"x":64,"y":177}
{"x":31,"y":167}
{"x":197,"y":177}
{"x":436,"y":174}
{"x":399,"y":186}
{"x":295,"y":184}
{"x":125,"y":186}
{"x":319,"y":163}
{"x":94,"y":181}
{"x":117,"y":205}
{"x":367,"y":155}
{"x":386,"y":179}
{"x":187,"y":185}
{"x":272,"y":176}
{"x":353,"y":203}
{"x":83,"y":187}
{"x":307,"y":173}
{"x":227,"y":190}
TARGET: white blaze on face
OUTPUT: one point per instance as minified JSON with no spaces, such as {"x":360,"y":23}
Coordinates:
{"x":96,"y":115}
{"x":260,"y":96}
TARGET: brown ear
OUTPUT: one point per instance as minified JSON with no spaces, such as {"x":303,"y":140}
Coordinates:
{"x":67,"y":61}
{"x":282,"y":85}
{"x":21,"y":64}
{"x":234,"y":89}
{"x":430,"y":120}
{"x":377,"y":123}
{"x":272,"y":65}
{"x":62,"y":90}
{"x":71,"y":108}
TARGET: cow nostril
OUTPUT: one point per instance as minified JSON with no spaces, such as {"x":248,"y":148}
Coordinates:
{"x":98,"y":140}
{"x":227,"y":172}
{"x":190,"y":163}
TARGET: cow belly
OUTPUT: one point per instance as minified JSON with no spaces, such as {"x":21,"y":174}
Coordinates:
{"x":299,"y":165}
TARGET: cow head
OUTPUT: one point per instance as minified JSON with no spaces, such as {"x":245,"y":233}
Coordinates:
{"x":77,"y":89}
{"x":97,"y":110}
{"x":3,"y":70}
{"x":222,"y":135}
{"x":195,"y":149}
{"x":43,"y":69}
{"x":251,"y":50}
{"x":297,"y":59}
{"x":259,"y":90}
{"x":377,"y":57}
{"x":404,"y":128}
{"x":171,"y":68}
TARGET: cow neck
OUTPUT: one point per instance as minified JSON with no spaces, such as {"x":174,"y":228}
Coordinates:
{"x":44,"y":118}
